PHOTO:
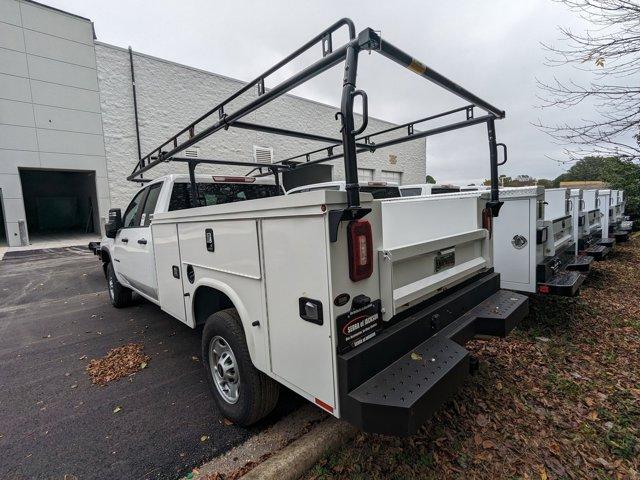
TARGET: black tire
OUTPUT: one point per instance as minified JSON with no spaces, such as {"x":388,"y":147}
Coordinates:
{"x":120,"y":296}
{"x":257,"y":394}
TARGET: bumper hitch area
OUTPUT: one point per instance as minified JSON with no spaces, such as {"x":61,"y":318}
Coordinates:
{"x":581,"y":263}
{"x":598,"y":252}
{"x":564,"y":283}
{"x":621,"y":236}
{"x":402,"y":395}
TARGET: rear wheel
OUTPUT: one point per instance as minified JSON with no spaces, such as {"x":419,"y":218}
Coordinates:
{"x":120,"y":296}
{"x":243,"y":394}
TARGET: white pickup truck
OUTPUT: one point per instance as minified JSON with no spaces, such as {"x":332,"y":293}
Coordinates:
{"x":369,"y":327}
{"x":360,"y":305}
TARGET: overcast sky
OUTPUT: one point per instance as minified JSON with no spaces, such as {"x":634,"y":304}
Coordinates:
{"x":490,"y":47}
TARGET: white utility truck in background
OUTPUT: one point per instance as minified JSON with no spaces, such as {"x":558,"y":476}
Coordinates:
{"x":420,"y":189}
{"x":563,"y":229}
{"x":529,"y":250}
{"x":360,"y":305}
{"x":591,"y":241}
{"x":619,"y":228}
{"x":376,"y":189}
{"x":604,"y":204}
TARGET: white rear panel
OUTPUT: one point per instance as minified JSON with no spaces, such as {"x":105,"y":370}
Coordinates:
{"x":428,"y":244}
{"x":295,"y":266}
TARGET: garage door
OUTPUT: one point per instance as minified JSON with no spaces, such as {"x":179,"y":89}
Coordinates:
{"x":59,"y":202}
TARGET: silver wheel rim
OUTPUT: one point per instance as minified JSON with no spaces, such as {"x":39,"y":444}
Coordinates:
{"x":224,"y":369}
{"x":111,"y":292}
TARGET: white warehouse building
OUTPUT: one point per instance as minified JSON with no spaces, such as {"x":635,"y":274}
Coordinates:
{"x":68,"y":125}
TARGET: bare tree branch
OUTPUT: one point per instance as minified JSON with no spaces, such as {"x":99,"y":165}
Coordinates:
{"x":611,"y":51}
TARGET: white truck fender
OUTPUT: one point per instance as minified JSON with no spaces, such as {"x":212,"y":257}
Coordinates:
{"x":238,"y":305}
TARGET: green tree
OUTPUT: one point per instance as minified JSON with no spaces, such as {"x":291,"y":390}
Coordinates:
{"x":543,"y":182}
{"x":430,"y":179}
{"x":620,"y":174}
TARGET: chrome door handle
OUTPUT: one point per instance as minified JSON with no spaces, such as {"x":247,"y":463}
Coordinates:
{"x":142,"y":241}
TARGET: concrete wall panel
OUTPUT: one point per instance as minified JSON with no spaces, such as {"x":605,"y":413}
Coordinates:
{"x":10,"y":160}
{"x":62,"y":73}
{"x":13,"y":63}
{"x":14,"y":88}
{"x":11,"y":36}
{"x":42,"y":19}
{"x":61,"y":49}
{"x":10,"y":12}
{"x":70,"y":142}
{"x":69,"y":120}
{"x":18,"y":138}
{"x":64,"y":96}
{"x":64,"y":161}
{"x":16,"y":113}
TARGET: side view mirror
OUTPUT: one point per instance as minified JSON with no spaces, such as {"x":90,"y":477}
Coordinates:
{"x":114,"y":224}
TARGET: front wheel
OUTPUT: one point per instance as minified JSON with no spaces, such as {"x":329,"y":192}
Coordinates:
{"x":120,"y":296}
{"x":243,"y":394}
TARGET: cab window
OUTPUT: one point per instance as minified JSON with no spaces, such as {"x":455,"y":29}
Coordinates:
{"x":150,"y":204}
{"x":220,"y":193}
{"x":130,"y":215}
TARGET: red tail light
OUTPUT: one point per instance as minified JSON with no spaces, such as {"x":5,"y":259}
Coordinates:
{"x":360,"y":250}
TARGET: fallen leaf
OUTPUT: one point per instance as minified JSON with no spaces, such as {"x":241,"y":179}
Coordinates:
{"x":204,"y":438}
{"x":482,"y":420}
{"x":416,"y":356}
{"x":227,"y":422}
{"x":117,"y":409}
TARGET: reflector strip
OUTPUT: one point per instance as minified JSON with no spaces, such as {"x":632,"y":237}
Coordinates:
{"x":323,"y":405}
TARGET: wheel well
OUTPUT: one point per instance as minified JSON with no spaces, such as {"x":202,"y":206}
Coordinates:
{"x":207,"y":301}
{"x":106,"y":259}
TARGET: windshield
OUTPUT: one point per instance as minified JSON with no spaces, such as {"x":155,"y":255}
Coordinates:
{"x":381,"y":192}
{"x":411,"y":192}
{"x":220,"y":193}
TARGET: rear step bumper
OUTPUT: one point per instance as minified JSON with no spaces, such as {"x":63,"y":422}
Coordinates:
{"x":566,"y":284}
{"x":598,"y":252}
{"x":621,"y":236}
{"x":607,"y":242}
{"x":581,"y":263}
{"x":396,"y":396}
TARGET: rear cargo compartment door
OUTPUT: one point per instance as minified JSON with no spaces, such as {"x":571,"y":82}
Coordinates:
{"x":168,"y":268}
{"x":296,"y":271}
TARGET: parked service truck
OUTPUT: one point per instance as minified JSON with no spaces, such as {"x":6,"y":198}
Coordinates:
{"x":530,"y":249}
{"x":360,"y":305}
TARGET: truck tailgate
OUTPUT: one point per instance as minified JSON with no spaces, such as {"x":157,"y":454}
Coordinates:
{"x":417,"y":259}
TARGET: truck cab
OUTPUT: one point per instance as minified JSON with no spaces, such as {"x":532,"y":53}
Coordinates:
{"x":420,"y":189}
{"x":131,"y":250}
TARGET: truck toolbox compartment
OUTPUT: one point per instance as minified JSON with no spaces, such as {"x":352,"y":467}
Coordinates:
{"x":395,"y":382}
{"x":581,"y":263}
{"x":598,"y":252}
{"x":565,"y":283}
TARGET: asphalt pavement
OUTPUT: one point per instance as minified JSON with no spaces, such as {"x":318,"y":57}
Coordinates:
{"x":54,"y":317}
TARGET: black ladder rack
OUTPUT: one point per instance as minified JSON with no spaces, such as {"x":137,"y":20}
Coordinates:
{"x":353,"y":139}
